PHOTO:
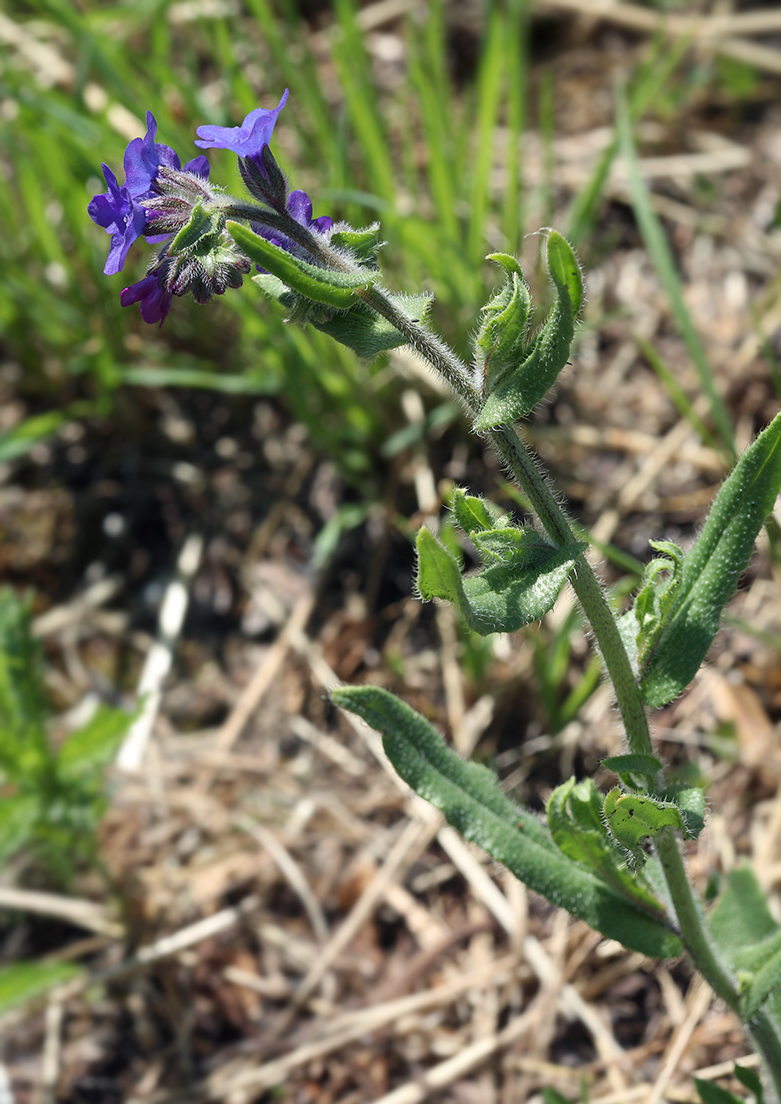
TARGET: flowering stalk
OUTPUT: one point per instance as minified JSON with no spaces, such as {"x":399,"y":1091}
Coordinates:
{"x":181,"y":211}
{"x":592,"y":856}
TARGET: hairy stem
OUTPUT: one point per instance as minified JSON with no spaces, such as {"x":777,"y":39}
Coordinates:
{"x":553,"y":518}
{"x":764,"y":1033}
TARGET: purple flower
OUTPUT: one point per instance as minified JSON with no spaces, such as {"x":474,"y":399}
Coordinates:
{"x":121,"y":215}
{"x":144,"y":156}
{"x":155,"y":300}
{"x":299,"y":205}
{"x":120,"y":210}
{"x":247,"y":140}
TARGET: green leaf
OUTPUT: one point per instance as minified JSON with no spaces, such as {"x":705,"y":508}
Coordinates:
{"x":19,"y":817}
{"x":369,"y":334}
{"x":360,"y":329}
{"x":200,"y":224}
{"x":363,"y":245}
{"x":550,"y":1096}
{"x":631,"y":818}
{"x":661,"y":582}
{"x":473,"y":514}
{"x":506,"y":597}
{"x":714,"y":1094}
{"x":750,"y":1078}
{"x":765,"y":974}
{"x":438,"y":574}
{"x":748,"y":937}
{"x":470,"y":798}
{"x":691,"y":801}
{"x":502,"y":597}
{"x":24,"y":748}
{"x":576,"y":825}
{"x":638,"y":772}
{"x":741,"y":917}
{"x":515,"y":545}
{"x":322,"y":285}
{"x":564,"y":269}
{"x":26,"y":435}
{"x":24,"y":980}
{"x":501,"y":338}
{"x":234,"y":384}
{"x":713,"y":567}
{"x":519,"y":390}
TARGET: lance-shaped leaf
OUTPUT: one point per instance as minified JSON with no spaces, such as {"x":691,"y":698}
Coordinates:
{"x":564,"y":269}
{"x":503,"y":597}
{"x":501,"y":338}
{"x":470,"y":799}
{"x":750,"y":1079}
{"x":520,"y":389}
{"x":644,"y":773}
{"x":322,"y":285}
{"x":201,"y":224}
{"x":759,"y":971}
{"x":710,"y":1093}
{"x":713,"y":567}
{"x":654,"y":602}
{"x":369,"y":334}
{"x":691,"y":802}
{"x":474,"y":514}
{"x":363,"y":245}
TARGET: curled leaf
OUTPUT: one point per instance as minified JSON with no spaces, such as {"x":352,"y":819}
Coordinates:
{"x":516,"y":591}
{"x":518,"y":389}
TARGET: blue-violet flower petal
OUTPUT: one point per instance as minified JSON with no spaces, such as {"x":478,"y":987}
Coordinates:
{"x":155,"y":300}
{"x":143,"y":157}
{"x":121,"y":215}
{"x":248,"y":139}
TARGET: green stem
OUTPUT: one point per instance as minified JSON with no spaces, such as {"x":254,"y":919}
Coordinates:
{"x":287,"y":225}
{"x":763,"y":1032}
{"x":764,"y":1036}
{"x":553,"y":518}
{"x":439,"y":355}
{"x":691,"y":922}
{"x":585,"y":584}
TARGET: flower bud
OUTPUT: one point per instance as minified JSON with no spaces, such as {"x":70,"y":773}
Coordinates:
{"x":264,"y":179}
{"x":206,"y":268}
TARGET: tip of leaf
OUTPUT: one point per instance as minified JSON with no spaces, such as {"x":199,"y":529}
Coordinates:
{"x":508,"y":263}
{"x":564,"y":268}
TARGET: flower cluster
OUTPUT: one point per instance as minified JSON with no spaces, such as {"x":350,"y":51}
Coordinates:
{"x":179,"y":208}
